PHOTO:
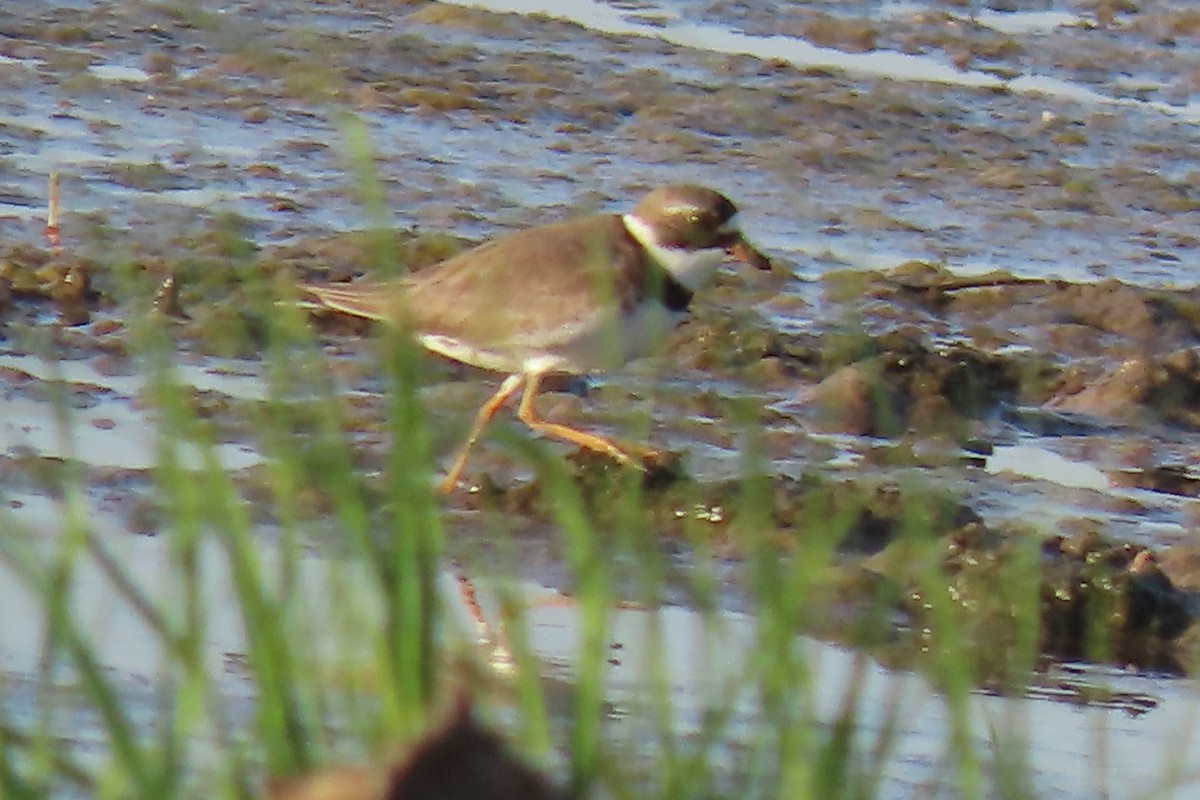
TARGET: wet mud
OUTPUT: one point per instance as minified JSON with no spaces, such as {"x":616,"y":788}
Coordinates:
{"x":980,"y":307}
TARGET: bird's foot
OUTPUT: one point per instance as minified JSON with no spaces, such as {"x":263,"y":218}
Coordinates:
{"x":659,"y":467}
{"x":662,"y":467}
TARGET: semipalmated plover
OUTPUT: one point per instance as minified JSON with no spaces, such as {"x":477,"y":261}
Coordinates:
{"x":567,"y":298}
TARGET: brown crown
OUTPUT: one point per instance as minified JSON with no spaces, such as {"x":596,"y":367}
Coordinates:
{"x":689,"y":216}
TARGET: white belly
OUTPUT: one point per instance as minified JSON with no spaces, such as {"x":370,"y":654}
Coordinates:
{"x":601,"y":343}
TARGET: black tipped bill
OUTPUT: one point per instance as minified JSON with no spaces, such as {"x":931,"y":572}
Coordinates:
{"x":747,"y":253}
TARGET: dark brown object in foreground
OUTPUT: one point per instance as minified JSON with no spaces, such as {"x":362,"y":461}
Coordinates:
{"x":466,"y":762}
{"x":459,"y":761}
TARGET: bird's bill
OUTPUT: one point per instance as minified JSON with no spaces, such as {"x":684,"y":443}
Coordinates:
{"x":745,"y":252}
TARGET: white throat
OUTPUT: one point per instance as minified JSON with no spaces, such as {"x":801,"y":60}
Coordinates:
{"x":692,"y":268}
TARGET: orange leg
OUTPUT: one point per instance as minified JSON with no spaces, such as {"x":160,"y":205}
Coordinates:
{"x":527,"y":414}
{"x":507,"y":389}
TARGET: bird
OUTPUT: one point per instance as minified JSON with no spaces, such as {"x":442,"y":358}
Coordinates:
{"x":569,"y":298}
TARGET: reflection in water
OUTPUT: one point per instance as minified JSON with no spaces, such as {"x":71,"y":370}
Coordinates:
{"x":1143,"y":726}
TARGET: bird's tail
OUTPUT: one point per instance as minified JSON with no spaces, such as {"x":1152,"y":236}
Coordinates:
{"x":375,"y":301}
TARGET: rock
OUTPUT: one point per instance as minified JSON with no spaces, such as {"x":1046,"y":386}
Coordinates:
{"x":1119,"y":394}
{"x":853,"y":400}
{"x":1110,"y":306}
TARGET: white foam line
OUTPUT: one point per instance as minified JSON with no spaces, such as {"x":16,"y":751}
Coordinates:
{"x":880,"y":63}
{"x":1011,"y":22}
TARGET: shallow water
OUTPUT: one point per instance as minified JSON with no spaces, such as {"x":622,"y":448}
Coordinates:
{"x":1136,"y":744}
